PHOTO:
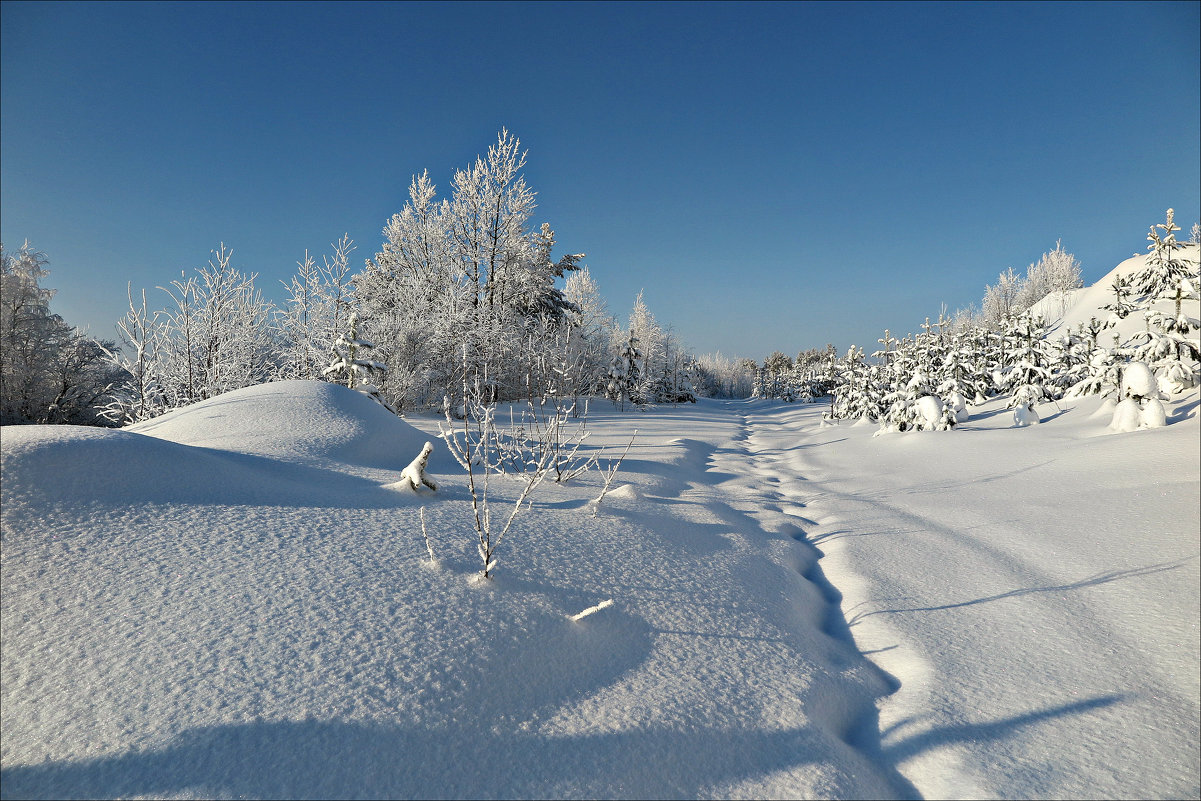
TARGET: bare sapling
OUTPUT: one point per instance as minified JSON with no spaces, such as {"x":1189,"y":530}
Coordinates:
{"x":546,"y":428}
{"x":609,"y":473}
{"x":551,"y":404}
{"x":478,"y":455}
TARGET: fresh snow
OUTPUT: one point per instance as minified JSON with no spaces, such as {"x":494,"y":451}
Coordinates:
{"x":229,"y":601}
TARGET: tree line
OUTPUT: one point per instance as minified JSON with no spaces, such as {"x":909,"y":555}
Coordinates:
{"x":928,"y":379}
{"x":464,"y":286}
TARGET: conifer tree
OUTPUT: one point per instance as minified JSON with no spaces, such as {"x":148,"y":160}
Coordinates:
{"x":624,"y":374}
{"x":349,"y":366}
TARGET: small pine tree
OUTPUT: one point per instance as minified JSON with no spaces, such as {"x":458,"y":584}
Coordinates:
{"x":347,"y":365}
{"x":1164,"y":268}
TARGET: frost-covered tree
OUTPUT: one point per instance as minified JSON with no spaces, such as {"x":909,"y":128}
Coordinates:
{"x":316,"y":309}
{"x":775,"y":381}
{"x":1028,"y":381}
{"x":1122,"y":305}
{"x":1056,"y":271}
{"x":219,"y":336}
{"x":49,"y":371}
{"x":590,"y":329}
{"x":1096,"y":372}
{"x":1164,"y":267}
{"x":853,"y":398}
{"x":719,"y":376}
{"x":652,"y":346}
{"x":468,"y":270}
{"x":29,"y":332}
{"x":348,"y":364}
{"x":139,"y":396}
{"x":624,"y":374}
{"x":1002,"y":300}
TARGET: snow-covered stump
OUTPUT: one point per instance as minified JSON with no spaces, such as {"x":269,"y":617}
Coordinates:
{"x":1140,"y":406}
{"x":414,"y":475}
{"x":1025,"y":415}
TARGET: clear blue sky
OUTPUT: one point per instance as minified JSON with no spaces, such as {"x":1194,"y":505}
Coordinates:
{"x":775,"y":176}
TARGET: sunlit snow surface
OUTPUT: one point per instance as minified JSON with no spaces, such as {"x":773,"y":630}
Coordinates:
{"x":229,"y":601}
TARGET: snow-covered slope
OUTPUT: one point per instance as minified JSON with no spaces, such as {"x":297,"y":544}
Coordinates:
{"x":1033,"y":590}
{"x":232,"y":602}
{"x":1066,"y":311}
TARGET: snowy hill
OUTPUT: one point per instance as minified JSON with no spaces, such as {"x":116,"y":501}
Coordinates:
{"x":230,"y":601}
{"x":295,"y":420}
{"x":1066,"y":311}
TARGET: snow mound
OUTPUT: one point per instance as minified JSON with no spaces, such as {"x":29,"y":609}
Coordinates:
{"x":72,"y":464}
{"x":625,"y":492}
{"x":1126,"y":416}
{"x":266,"y":444}
{"x":294,"y":421}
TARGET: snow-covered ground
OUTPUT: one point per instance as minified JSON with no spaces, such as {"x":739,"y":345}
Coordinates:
{"x":1034,"y":591}
{"x":230,"y":601}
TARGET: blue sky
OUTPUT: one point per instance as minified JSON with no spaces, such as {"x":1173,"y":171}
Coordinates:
{"x":774,"y":176}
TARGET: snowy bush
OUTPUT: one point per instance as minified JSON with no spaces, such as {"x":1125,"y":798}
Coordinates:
{"x":927,"y":413}
{"x":1025,"y":416}
{"x":480,"y":453}
{"x":1126,"y":416}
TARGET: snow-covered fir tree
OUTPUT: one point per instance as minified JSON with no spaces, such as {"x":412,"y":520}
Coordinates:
{"x":1164,"y":268}
{"x":624,"y":374}
{"x":349,"y":365}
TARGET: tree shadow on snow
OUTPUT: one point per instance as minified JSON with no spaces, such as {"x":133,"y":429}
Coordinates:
{"x":1091,"y":581}
{"x":1183,"y":411}
{"x":316,"y":759}
{"x":983,"y":733}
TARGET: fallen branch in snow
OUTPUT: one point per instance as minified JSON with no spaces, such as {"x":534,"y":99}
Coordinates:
{"x":590,"y":610}
{"x":609,"y":474}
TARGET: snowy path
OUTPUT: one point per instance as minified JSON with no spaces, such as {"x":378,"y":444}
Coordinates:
{"x":1034,"y":591}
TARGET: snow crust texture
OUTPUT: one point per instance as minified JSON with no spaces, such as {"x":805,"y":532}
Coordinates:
{"x":230,"y":602}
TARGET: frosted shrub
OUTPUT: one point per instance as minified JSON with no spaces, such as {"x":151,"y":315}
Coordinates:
{"x":478,"y":452}
{"x":928,"y":413}
{"x":1126,"y":416}
{"x":1153,"y":414}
